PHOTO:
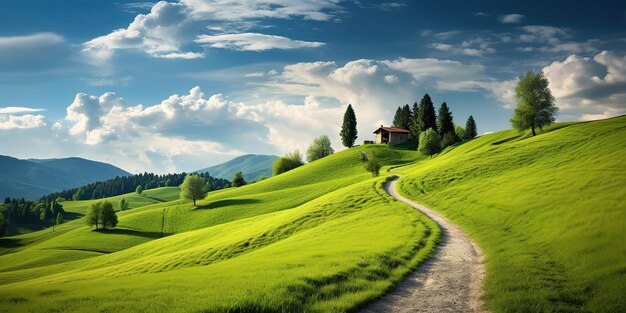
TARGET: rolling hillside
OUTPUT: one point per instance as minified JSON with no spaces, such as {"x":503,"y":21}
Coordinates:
{"x":34,"y":178}
{"x":251,"y":165}
{"x":548,"y":212}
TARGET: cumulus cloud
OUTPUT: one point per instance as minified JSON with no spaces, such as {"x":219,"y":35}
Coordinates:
{"x":589,"y":88}
{"x":25,"y":121}
{"x":511,"y":18}
{"x":254,"y":42}
{"x":170,"y":27}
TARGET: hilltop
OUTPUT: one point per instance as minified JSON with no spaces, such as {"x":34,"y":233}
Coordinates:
{"x":547,"y":211}
{"x":34,"y":178}
{"x":252,"y":166}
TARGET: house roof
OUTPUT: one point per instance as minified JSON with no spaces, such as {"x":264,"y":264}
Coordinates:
{"x":391,"y":130}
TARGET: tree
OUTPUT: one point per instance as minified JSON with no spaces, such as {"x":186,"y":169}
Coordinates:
{"x":78,"y":195}
{"x":429,"y":142}
{"x":193,"y":188}
{"x":414,"y":131}
{"x":406,"y":117}
{"x":92,"y":217}
{"x":287,"y":163}
{"x":444,"y":120}
{"x":43,"y":214}
{"x":123,"y":204}
{"x":459,"y":131}
{"x":470,"y":128}
{"x":56,"y":208}
{"x":59,"y":219}
{"x":320,"y":148}
{"x":139,"y":189}
{"x":426,"y":116}
{"x":448,"y":139}
{"x":4,"y":225}
{"x":107,"y":215}
{"x":348,"y":128}
{"x":238,"y":180}
{"x":397,"y":118}
{"x":373,"y":166}
{"x":535,"y":103}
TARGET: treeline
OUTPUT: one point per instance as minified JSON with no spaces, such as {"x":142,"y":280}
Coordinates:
{"x":422,"y":117}
{"x":121,"y":185}
{"x":21,"y":211}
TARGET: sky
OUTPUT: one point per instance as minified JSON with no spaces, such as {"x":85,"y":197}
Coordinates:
{"x":177,"y":86}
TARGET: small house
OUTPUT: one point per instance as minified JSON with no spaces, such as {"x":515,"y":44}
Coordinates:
{"x":391,"y":135}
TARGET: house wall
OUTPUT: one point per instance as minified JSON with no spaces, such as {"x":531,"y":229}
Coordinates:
{"x":379,"y":137}
{"x":398,"y":138}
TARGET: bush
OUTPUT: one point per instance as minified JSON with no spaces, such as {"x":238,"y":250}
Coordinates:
{"x":319,"y":148}
{"x":287,"y":163}
{"x":429,"y":142}
{"x":459,"y":131}
{"x":448,"y":140}
{"x":373,"y":166}
{"x":238,"y":180}
{"x":139,"y":190}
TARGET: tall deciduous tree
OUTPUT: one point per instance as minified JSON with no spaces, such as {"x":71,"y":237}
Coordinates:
{"x":319,"y":148}
{"x":193,"y":188}
{"x":238,"y":180}
{"x":348,"y":129}
{"x":102,"y":214}
{"x":397,"y":118}
{"x":430,"y":143}
{"x":535,"y":103}
{"x":470,"y":128}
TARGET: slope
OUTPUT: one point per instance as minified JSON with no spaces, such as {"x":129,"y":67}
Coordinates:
{"x":323,"y":237}
{"x":252,"y":166}
{"x":34,"y":178}
{"x":548,"y":211}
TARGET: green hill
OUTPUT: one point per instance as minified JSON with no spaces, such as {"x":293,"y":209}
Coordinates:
{"x":251,"y":165}
{"x":35,"y":178}
{"x":548,"y":212}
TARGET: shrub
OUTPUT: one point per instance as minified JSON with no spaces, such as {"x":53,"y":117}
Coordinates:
{"x":238,"y":180}
{"x":373,"y":166}
{"x":429,"y":142}
{"x":448,"y":140}
{"x":287,"y":163}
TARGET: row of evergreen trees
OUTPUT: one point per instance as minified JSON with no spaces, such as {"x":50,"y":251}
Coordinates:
{"x":423,"y":117}
{"x":121,"y":185}
{"x":22,"y":211}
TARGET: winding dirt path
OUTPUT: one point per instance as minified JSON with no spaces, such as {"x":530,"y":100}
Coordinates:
{"x":450,"y":281}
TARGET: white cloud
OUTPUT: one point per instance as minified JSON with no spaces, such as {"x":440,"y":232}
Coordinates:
{"x":13,"y":110}
{"x":254,"y":42}
{"x":555,"y":40}
{"x":25,"y":121}
{"x":587,"y":87}
{"x":31,"y":52}
{"x":319,"y":10}
{"x":391,"y":79}
{"x":511,"y":18}
{"x":442,"y":46}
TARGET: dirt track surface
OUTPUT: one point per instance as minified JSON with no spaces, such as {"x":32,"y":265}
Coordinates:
{"x":450,"y":281}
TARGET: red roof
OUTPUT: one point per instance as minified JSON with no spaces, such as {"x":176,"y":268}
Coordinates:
{"x":391,"y":130}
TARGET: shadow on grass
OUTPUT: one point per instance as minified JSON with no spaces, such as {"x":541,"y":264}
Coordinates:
{"x":227,"y":202}
{"x":10,"y":243}
{"x":131,"y":232}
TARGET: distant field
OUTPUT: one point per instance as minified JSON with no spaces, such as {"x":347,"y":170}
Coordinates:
{"x":323,"y":237}
{"x":549,"y":212}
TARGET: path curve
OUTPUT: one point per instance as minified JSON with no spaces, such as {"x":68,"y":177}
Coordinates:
{"x":450,"y":281}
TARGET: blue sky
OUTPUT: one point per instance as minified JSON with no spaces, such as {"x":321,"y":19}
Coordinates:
{"x":180,"y":85}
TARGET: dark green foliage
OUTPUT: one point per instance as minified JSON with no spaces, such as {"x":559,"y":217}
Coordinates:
{"x":319,"y":148}
{"x":397,"y":118}
{"x":373,"y":166}
{"x":127,"y":184}
{"x":4,"y":225}
{"x":414,"y":131}
{"x":406,"y":117}
{"x":426,"y":117}
{"x":56,"y":208}
{"x":459,"y":131}
{"x":287,"y":163}
{"x":238,"y":180}
{"x":44,"y":213}
{"x":430,"y":143}
{"x":194,"y":187}
{"x":101,"y":214}
{"x":535,"y":103}
{"x":123,"y":204}
{"x":449,"y":139}
{"x":59,"y":219}
{"x":348,"y":128}
{"x":139,"y":190}
{"x":444,"y":120}
{"x":470,"y":128}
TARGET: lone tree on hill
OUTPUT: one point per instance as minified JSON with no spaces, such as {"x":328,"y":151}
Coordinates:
{"x":123,"y":204}
{"x":290,"y":161}
{"x":373,"y":166}
{"x":348,"y":129}
{"x":102,"y":214}
{"x":535,"y":103}
{"x":320,"y":148}
{"x":470,"y":128}
{"x":139,"y":190}
{"x":238,"y":180}
{"x":193,"y":188}
{"x":430,"y":143}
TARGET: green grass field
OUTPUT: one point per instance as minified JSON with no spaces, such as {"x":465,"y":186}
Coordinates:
{"x":324,"y":237}
{"x":548,"y":211}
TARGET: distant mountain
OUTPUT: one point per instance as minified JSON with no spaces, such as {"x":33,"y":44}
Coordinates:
{"x":252,"y":166}
{"x":34,"y":178}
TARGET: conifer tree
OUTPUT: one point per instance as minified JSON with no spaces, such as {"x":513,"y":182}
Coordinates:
{"x":348,"y":129}
{"x":426,"y":117}
{"x":397,"y":118}
{"x":445,"y":123}
{"x":470,"y":128}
